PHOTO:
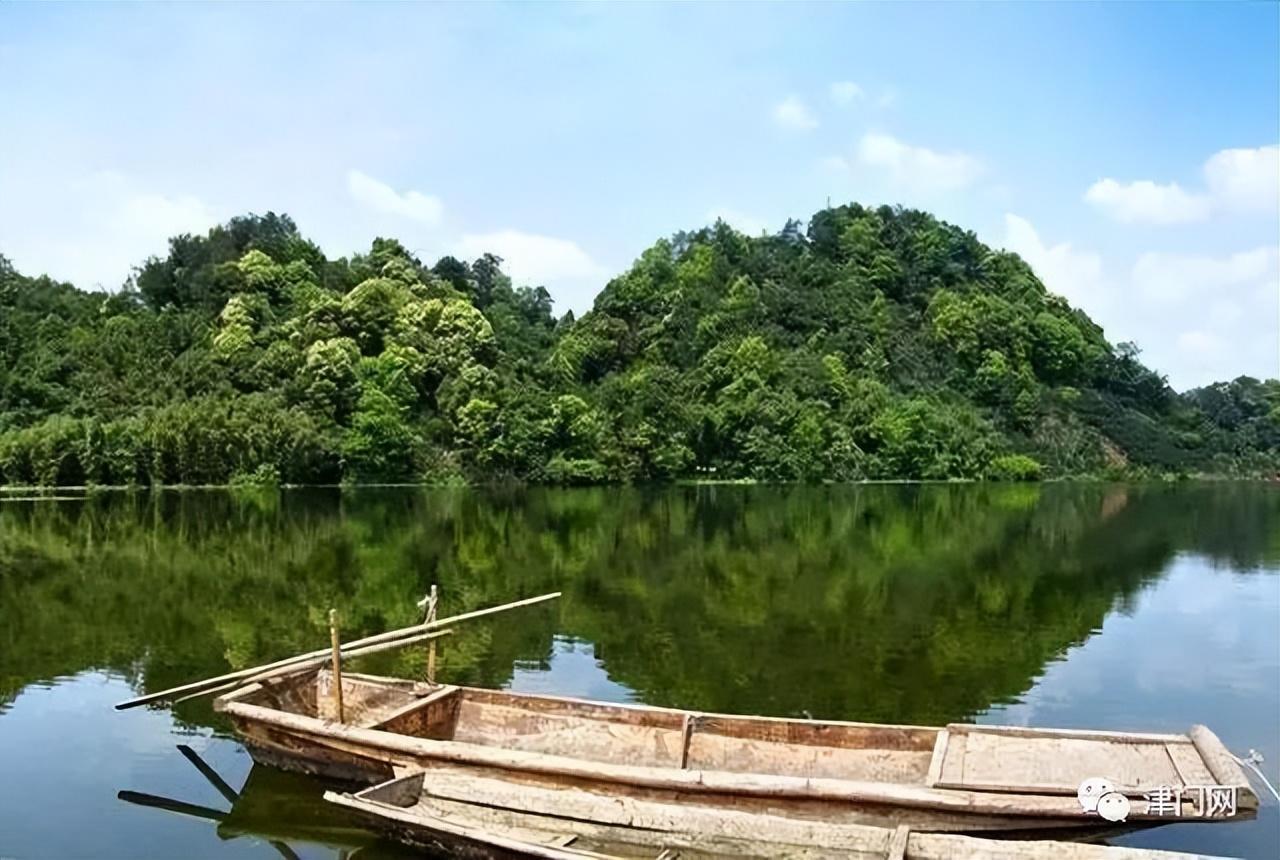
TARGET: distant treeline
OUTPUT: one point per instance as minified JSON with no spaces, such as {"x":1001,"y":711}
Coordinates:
{"x":875,"y":344}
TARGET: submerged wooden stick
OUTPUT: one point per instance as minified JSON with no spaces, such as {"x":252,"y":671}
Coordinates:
{"x":168,"y":804}
{"x":214,"y":778}
{"x":337,"y":662}
{"x":208,"y":684}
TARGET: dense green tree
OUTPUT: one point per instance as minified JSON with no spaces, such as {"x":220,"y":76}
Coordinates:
{"x":875,"y":343}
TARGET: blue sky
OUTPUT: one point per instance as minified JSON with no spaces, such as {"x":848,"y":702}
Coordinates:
{"x":1128,"y":151}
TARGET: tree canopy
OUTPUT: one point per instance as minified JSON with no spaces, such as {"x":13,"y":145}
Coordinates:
{"x":873,"y":343}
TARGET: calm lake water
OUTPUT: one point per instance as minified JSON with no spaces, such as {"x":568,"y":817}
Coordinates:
{"x":1096,"y":606}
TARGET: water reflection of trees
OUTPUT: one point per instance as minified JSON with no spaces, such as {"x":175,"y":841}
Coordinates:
{"x":901,"y":603}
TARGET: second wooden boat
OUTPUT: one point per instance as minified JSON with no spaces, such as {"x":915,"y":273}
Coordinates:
{"x":483,"y":818}
{"x":958,"y":778}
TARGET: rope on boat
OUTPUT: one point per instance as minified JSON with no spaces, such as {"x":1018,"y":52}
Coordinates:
{"x":1252,"y":762}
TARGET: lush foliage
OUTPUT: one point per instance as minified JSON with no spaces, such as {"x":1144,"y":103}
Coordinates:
{"x":875,"y":344}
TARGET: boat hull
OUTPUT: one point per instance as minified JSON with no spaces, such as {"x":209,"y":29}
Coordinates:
{"x":807,"y":770}
{"x":483,"y":818}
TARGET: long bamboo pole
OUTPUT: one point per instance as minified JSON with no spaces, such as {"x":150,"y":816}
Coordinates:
{"x":347,"y":653}
{"x":391,"y":635}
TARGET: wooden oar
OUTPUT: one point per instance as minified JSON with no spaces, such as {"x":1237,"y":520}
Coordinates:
{"x":391,"y":635}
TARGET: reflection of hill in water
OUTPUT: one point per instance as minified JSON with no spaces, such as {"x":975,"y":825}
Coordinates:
{"x":900,"y":603}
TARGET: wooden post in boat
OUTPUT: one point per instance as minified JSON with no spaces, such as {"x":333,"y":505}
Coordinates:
{"x":433,"y":603}
{"x":336,"y":644}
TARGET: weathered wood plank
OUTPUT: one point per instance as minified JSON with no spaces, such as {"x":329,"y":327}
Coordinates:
{"x":781,"y":729}
{"x":686,"y":738}
{"x":1078,"y":734}
{"x":997,"y":761}
{"x":898,"y":843}
{"x":951,"y":772}
{"x":423,"y":703}
{"x":1218,"y":760}
{"x":535,"y":731}
{"x":939,"y":755}
{"x":940,"y":846}
{"x":1188,"y":764}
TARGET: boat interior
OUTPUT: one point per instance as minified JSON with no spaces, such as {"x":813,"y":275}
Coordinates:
{"x":619,"y":734}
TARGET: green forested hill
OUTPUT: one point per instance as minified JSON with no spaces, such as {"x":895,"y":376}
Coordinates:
{"x":875,"y":344}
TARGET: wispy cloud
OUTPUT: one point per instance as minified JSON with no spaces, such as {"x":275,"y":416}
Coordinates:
{"x":381,"y":197}
{"x":1166,"y":278}
{"x":1236,"y":181}
{"x":845,"y":92}
{"x":1197,"y":317}
{"x":1074,"y":274}
{"x":532,"y":258}
{"x":739,"y":221}
{"x":793,"y":114}
{"x":918,"y":167}
{"x":1147,"y":202}
{"x":571,"y":275}
{"x":94,"y":229}
{"x":1245,"y":179}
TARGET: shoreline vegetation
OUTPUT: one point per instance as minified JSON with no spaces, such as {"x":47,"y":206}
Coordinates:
{"x":868,"y":345}
{"x":45,"y":492}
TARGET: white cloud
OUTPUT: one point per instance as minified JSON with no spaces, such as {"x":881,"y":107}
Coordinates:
{"x":740,"y":221}
{"x":1236,"y":181}
{"x":93,"y":230}
{"x":916,"y":166}
{"x":1074,"y":275}
{"x":533,"y":259}
{"x":383,"y":198}
{"x":1169,"y":278}
{"x":1197,"y":318}
{"x":1245,"y":179}
{"x":567,"y":271}
{"x":845,"y":92}
{"x":791,"y":113}
{"x":1147,"y":202}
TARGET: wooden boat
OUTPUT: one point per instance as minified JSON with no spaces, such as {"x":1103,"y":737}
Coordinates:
{"x":486,"y":819}
{"x":958,"y":778}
